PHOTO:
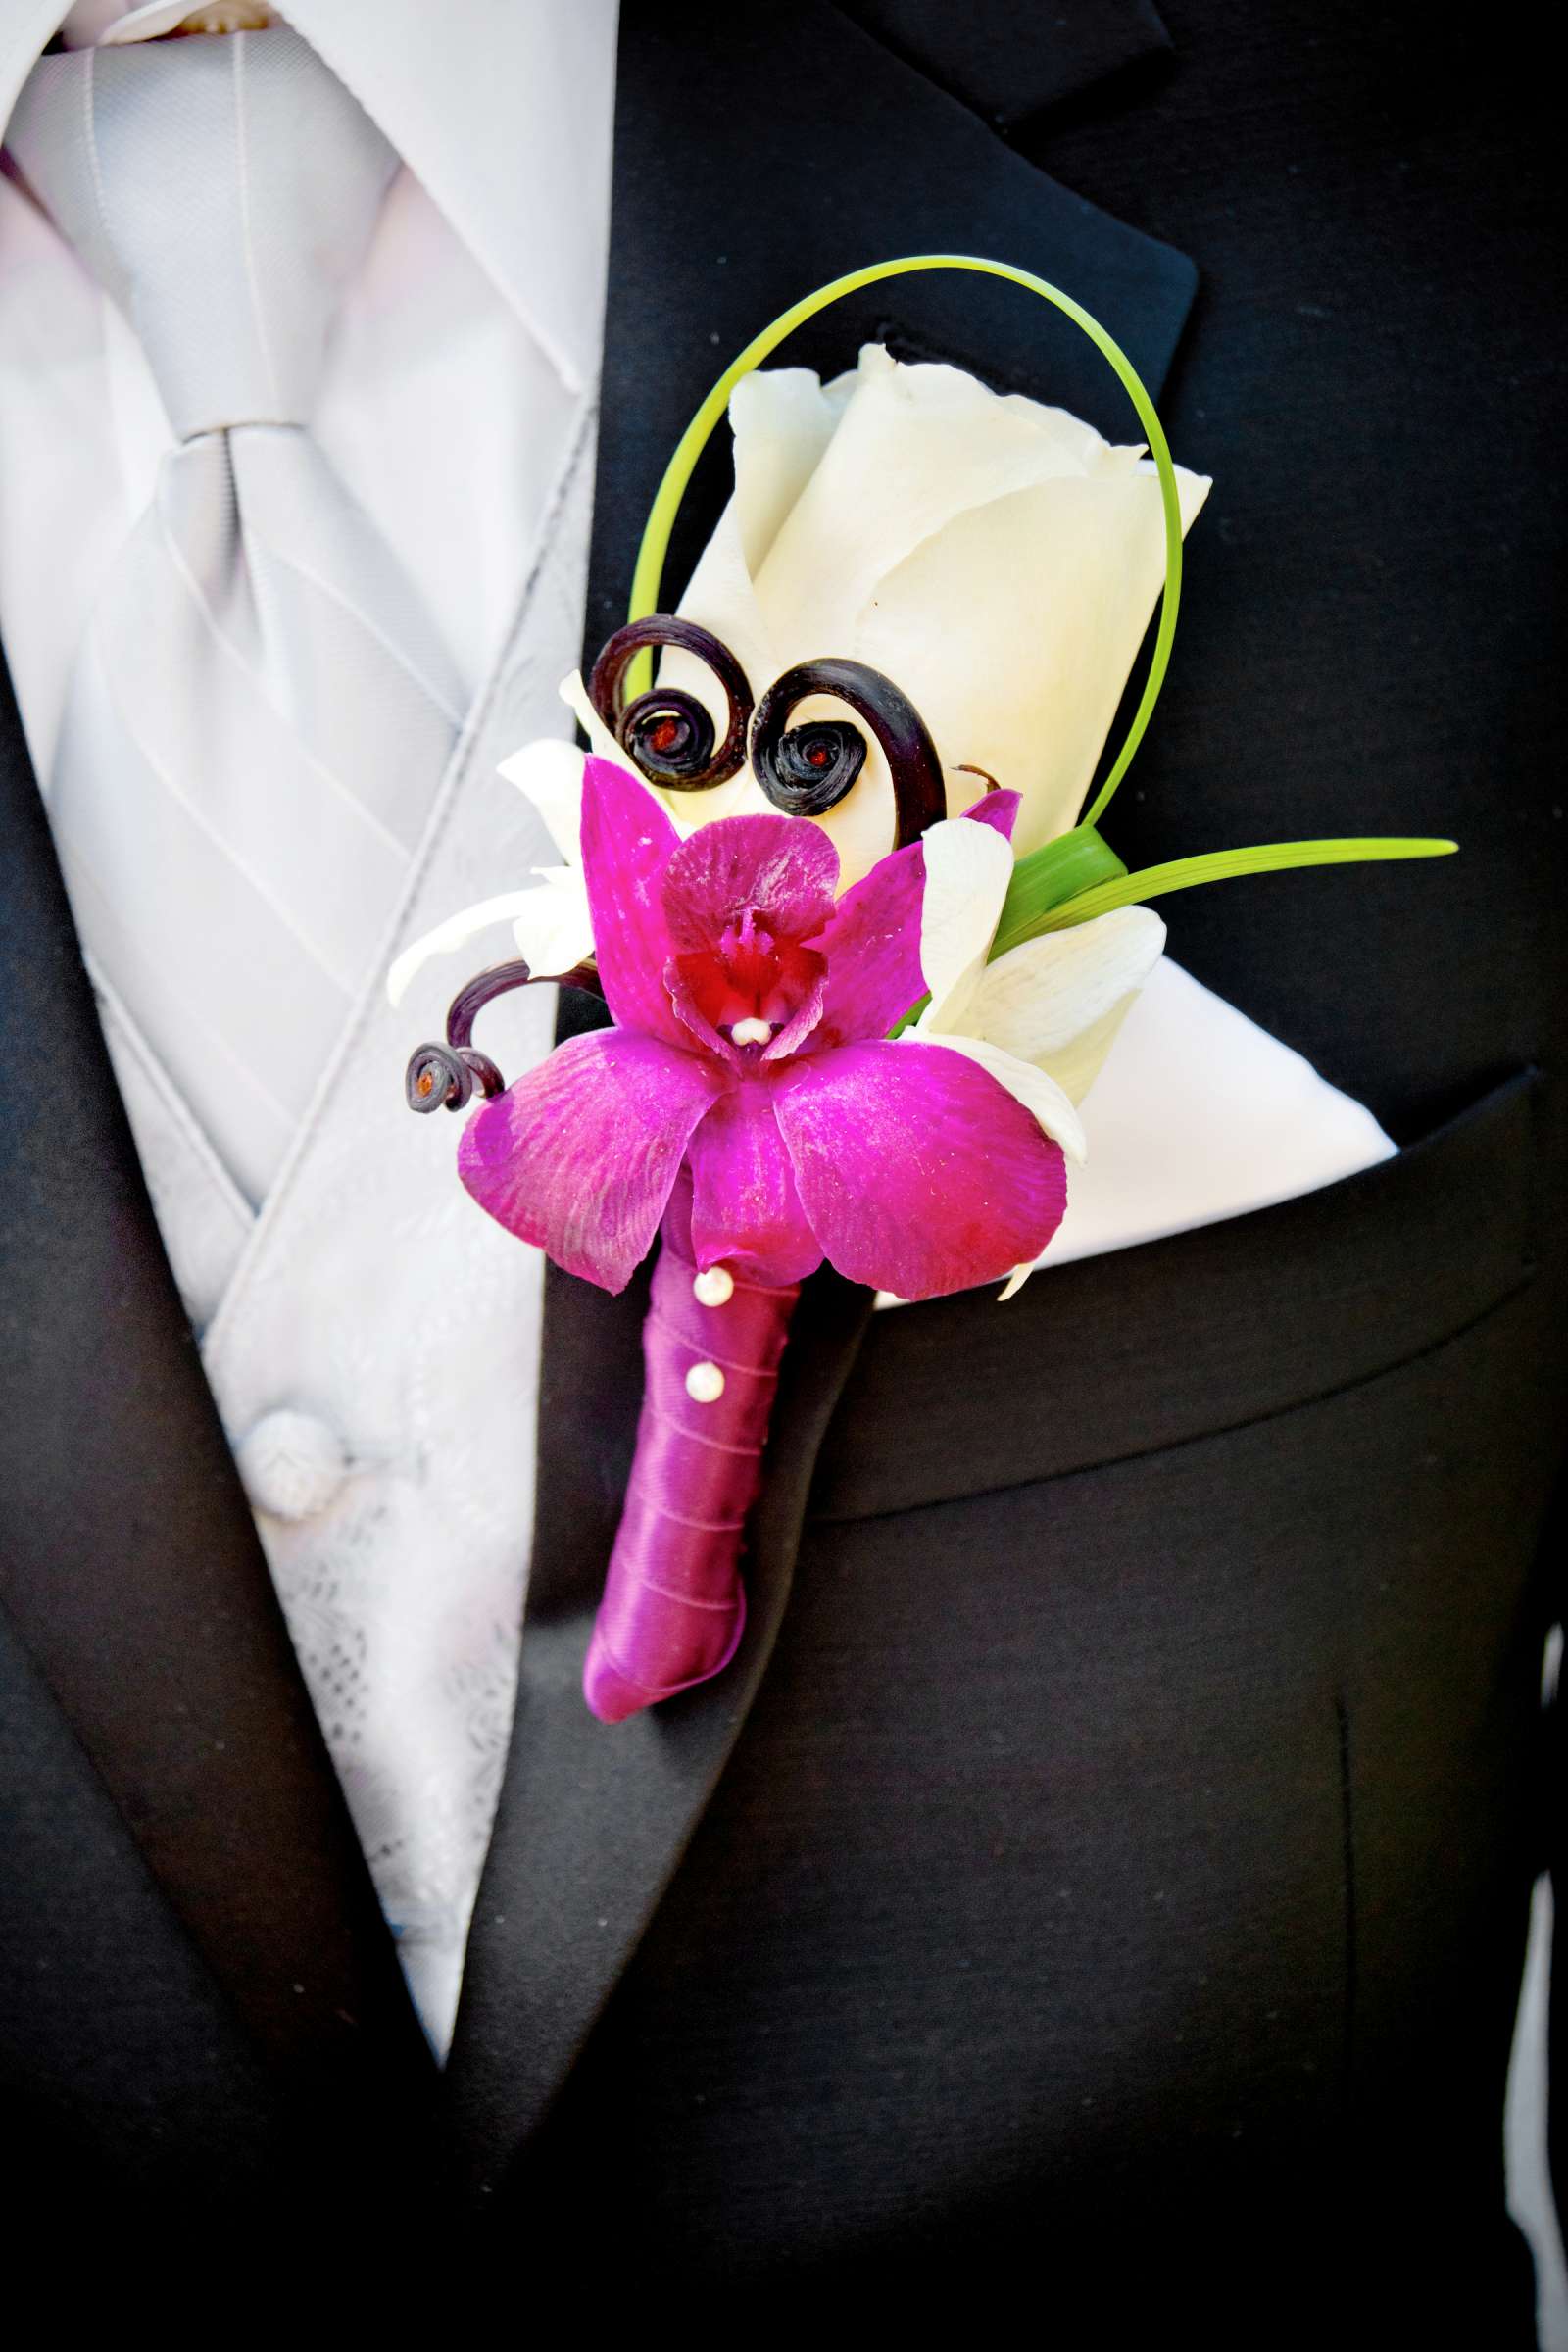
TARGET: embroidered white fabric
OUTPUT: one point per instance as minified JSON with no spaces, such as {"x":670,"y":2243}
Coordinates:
{"x":374,"y":1300}
{"x":372,"y":1341}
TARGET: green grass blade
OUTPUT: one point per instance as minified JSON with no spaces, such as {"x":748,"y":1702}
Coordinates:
{"x":1023,"y":918}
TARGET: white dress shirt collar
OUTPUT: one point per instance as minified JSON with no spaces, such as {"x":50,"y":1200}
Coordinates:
{"x":453,"y":89}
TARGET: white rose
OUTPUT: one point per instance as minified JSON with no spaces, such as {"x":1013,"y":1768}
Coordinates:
{"x":994,"y":558}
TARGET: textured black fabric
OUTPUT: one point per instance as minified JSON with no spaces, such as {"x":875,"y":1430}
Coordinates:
{"x":1116,"y":1892}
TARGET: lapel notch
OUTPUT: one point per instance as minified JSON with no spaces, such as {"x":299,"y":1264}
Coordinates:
{"x":1010,"y":63}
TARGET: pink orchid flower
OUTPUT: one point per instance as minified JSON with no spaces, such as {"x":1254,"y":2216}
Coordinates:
{"x":750,"y":1046}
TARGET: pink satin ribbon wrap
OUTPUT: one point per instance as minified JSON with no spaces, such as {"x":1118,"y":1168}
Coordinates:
{"x":674,"y":1607}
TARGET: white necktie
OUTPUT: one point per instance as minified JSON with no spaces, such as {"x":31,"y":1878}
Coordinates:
{"x":261,"y":708}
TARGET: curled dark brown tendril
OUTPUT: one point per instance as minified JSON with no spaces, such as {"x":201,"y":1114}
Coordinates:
{"x":666,"y":731}
{"x":808,"y":771}
{"x":444,"y":1077}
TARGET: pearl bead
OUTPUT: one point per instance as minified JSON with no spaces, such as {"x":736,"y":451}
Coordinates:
{"x":704,"y":1384}
{"x":714,"y":1287}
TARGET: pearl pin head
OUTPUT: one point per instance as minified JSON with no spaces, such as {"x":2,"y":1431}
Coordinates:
{"x":704,"y":1384}
{"x":714,"y":1287}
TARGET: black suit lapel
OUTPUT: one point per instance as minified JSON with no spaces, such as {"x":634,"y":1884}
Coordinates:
{"x":128,"y":1559}
{"x":782,"y":148}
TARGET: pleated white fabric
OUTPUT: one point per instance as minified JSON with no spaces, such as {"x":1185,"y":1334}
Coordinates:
{"x":260,"y":706}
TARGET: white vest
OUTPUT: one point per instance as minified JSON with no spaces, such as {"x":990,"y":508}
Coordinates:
{"x":372,"y":1338}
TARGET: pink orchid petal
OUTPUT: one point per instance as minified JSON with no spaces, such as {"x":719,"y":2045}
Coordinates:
{"x":692,"y":1017}
{"x":872,"y":945}
{"x":580,"y":1157}
{"x":873,"y":940}
{"x":627,"y":841}
{"x":999,"y":810}
{"x":800,"y":1023}
{"x":918,"y":1172}
{"x":782,"y":867}
{"x":745,"y":1207}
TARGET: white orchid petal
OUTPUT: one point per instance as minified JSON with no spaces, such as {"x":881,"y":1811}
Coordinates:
{"x":454,"y":933}
{"x":967,"y":869}
{"x":549,"y":773}
{"x":1039,"y":1094}
{"x":1035,"y":1000}
{"x":1076,"y":1068}
{"x":552,"y":927}
{"x":600,"y":742}
{"x":1015,"y":1282}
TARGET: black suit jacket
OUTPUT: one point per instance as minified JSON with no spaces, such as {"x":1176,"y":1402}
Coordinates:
{"x":1106,"y":1878}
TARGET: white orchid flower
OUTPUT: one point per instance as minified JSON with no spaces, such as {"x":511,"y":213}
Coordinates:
{"x":1040,"y":1018}
{"x":548,"y":917}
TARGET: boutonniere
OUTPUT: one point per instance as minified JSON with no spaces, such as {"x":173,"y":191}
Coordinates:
{"x":862,"y":947}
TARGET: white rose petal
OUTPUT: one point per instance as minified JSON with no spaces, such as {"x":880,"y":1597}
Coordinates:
{"x":993,"y":557}
{"x":1019,"y":625}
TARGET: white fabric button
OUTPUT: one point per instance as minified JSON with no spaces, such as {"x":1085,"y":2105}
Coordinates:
{"x":291,"y":1464}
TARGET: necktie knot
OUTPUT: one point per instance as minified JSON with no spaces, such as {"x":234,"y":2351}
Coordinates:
{"x":222,"y":191}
